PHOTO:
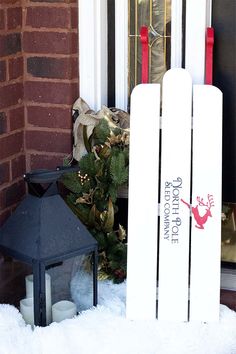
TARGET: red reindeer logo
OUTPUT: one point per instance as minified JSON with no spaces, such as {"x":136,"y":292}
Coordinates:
{"x":201,"y":219}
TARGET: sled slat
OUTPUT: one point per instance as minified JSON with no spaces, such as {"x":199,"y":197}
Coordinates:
{"x":175,"y":184}
{"x":143,"y":202}
{"x":206,"y":220}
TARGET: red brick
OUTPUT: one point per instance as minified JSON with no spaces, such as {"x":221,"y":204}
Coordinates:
{"x":14,"y":18}
{"x":50,"y":42}
{"x":11,"y":2}
{"x":18,"y":167}
{"x":48,"y":1}
{"x":4,"y":216}
{"x":14,"y":193}
{"x":74,"y":17}
{"x":3,"y":123}
{"x":11,"y":145}
{"x":16,"y":118}
{"x":10,"y":44}
{"x":11,"y":95}
{"x":49,"y":141}
{"x":2,"y":19}
{"x":55,"y":68}
{"x":2,"y":70}
{"x":51,"y":92}
{"x":54,"y":1}
{"x":2,"y":200}
{"x":50,"y":117}
{"x":49,"y":17}
{"x":45,"y":161}
{"x":15,"y":68}
{"x":4,"y":172}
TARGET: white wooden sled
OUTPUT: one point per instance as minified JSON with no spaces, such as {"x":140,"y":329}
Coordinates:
{"x":178,"y":252}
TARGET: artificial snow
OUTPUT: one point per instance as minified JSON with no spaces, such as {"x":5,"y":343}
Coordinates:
{"x":105,"y":330}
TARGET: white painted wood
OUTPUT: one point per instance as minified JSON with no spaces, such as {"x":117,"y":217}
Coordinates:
{"x":175,"y":184}
{"x":121,"y":53}
{"x":101,"y":55}
{"x":208,"y":13}
{"x":93,"y":52}
{"x":143,"y":202}
{"x":173,"y":282}
{"x":206,"y":233}
{"x":176,"y":33}
{"x":195,"y":39}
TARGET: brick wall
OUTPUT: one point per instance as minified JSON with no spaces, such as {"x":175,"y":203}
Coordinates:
{"x":38,"y":84}
{"x":51,"y":79}
{"x":12,"y":149}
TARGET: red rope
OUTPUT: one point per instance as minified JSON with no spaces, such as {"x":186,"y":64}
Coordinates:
{"x":144,"y":42}
{"x":209,"y":55}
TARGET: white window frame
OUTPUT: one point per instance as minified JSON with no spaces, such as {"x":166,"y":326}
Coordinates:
{"x":176,"y":33}
{"x":195,"y":37}
{"x":93,"y":52}
{"x":121,"y":50}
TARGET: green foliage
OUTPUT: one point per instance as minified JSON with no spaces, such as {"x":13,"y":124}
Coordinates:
{"x":101,"y":132}
{"x":87,"y":165}
{"x":93,"y":194}
{"x":71,"y":182}
{"x":118,"y":171}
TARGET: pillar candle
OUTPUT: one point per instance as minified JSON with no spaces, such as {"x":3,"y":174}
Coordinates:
{"x":27,"y":310}
{"x":29,"y":293}
{"x":63,"y":310}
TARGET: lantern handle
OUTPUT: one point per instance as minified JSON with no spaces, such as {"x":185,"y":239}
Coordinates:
{"x":43,"y":183}
{"x":48,"y":176}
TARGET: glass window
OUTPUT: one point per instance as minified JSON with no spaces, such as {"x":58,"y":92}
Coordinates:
{"x":156,"y":15}
{"x":228,"y":250}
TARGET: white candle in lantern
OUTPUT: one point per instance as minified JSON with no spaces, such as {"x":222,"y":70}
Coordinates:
{"x":27,"y":310}
{"x":63,"y":310}
{"x":29,"y":284}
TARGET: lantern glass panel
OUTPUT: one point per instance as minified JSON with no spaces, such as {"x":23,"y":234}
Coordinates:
{"x":67,"y":281}
{"x":13,"y":275}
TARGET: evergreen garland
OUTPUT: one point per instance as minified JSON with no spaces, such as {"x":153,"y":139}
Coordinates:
{"x":93,"y":195}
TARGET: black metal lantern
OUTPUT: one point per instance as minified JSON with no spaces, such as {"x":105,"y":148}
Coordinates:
{"x":44,"y":233}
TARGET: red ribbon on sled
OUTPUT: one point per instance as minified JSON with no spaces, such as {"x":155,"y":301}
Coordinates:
{"x":209,"y":55}
{"x":144,"y":42}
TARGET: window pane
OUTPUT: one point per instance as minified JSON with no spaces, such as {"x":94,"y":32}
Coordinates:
{"x":228,"y":250}
{"x":156,"y":15}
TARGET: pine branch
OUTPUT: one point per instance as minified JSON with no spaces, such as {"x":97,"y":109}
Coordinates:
{"x":118,"y":170}
{"x":71,"y":182}
{"x":112,"y":191}
{"x":87,"y":165}
{"x":101,"y":132}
